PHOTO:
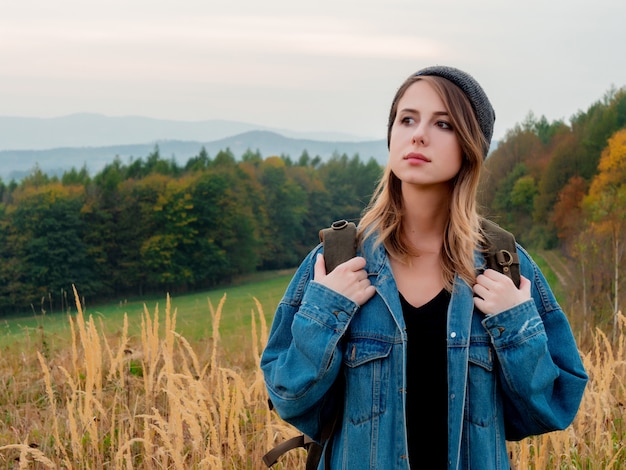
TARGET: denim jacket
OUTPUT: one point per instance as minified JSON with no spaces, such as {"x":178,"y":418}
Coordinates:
{"x":510,"y":375}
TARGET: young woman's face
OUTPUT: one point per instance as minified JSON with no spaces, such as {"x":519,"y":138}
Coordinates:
{"x":423,"y":148}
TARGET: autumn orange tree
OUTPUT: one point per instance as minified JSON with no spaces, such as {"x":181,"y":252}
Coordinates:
{"x":551,"y":154}
{"x":605,"y":206}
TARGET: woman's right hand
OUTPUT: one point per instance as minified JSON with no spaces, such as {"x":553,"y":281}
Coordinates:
{"x":349,"y":279}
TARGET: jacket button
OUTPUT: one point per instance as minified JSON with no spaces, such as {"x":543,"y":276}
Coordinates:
{"x":453,"y":335}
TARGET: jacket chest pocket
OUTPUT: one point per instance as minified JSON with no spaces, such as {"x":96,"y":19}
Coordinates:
{"x":481,"y":384}
{"x":366,"y":362}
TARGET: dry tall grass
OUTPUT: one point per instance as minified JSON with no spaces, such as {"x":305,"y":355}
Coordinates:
{"x":154,"y":402}
{"x":596,"y":438}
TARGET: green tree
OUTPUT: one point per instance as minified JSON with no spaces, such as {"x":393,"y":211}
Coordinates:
{"x":285,"y":203}
{"x":521,"y":146}
{"x":156,"y":164}
{"x":224,"y":158}
{"x":74,"y":177}
{"x":227,"y":240}
{"x":251,"y":157}
{"x":101,"y":213}
{"x":350,"y":184}
{"x":136,"y":221}
{"x":523,"y":194}
{"x":163,"y":251}
{"x":546,"y":131}
{"x":199,"y":162}
{"x":46,"y":234}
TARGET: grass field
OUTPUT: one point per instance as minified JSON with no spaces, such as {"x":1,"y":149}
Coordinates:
{"x":174,"y":383}
{"x":193,"y":313}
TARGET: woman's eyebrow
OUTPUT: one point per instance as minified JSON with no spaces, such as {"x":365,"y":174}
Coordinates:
{"x":415,"y":111}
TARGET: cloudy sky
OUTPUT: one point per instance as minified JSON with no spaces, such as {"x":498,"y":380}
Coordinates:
{"x":323,"y":65}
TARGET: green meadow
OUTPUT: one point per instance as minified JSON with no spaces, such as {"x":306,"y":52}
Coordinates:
{"x":50,"y":330}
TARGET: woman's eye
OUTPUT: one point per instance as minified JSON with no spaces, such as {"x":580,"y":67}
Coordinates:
{"x":444,"y":125}
{"x":407,"y":120}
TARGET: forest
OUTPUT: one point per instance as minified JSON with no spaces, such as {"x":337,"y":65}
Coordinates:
{"x":150,"y":225}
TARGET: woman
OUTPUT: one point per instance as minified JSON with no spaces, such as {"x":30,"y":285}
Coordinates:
{"x":435,"y":351}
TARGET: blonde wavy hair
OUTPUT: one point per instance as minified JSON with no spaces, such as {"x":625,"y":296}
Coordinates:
{"x":384,"y":213}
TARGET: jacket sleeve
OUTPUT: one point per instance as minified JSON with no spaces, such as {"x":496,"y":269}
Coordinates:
{"x":303,"y":355}
{"x":540,"y":368}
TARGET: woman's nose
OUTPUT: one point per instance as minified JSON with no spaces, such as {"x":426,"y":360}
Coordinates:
{"x":419,"y":134}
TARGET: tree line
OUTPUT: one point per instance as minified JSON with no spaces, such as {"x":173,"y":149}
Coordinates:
{"x":153,"y":226}
{"x":563,"y":186}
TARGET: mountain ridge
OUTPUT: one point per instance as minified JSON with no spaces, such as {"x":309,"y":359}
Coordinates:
{"x":90,"y":129}
{"x":15,"y":164}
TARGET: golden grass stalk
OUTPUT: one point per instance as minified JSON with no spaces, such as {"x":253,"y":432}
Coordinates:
{"x":26,"y":451}
{"x":55,"y":424}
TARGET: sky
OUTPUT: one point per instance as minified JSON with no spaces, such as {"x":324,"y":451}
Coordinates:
{"x":315,"y":66}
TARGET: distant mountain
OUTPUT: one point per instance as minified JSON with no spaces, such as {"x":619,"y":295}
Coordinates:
{"x":15,"y":164}
{"x":95,"y":130}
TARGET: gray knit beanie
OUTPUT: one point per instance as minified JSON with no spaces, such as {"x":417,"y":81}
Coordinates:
{"x":485,"y":114}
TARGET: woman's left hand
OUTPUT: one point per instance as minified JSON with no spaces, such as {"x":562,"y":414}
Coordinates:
{"x":495,"y":292}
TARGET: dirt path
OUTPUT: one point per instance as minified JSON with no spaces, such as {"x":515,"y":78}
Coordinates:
{"x":561,"y":269}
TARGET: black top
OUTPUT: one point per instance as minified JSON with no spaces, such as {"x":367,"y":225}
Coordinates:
{"x":427,"y":381}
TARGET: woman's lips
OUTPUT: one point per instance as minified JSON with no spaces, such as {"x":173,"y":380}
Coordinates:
{"x":417,"y":158}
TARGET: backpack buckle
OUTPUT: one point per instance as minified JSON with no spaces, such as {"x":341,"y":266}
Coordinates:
{"x":505,"y":259}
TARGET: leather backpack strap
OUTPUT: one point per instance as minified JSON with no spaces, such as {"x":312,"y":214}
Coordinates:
{"x":272,"y":456}
{"x":501,"y":251}
{"x":339,"y":243}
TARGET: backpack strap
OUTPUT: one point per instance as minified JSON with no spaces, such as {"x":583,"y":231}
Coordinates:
{"x":315,"y":451}
{"x":339,"y":243}
{"x":272,"y":456}
{"x":501,"y":250}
